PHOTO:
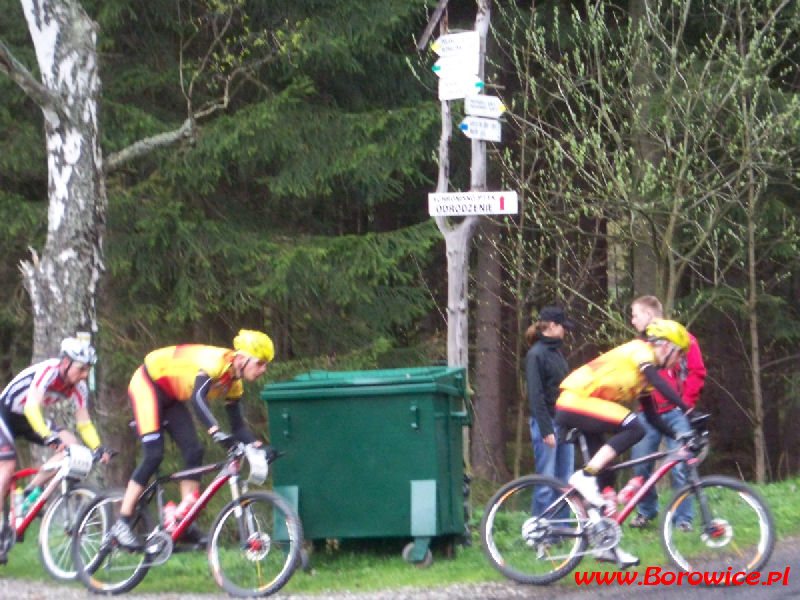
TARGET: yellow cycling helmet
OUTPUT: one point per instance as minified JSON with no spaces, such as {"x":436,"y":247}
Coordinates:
{"x":672,"y":331}
{"x":256,"y":344}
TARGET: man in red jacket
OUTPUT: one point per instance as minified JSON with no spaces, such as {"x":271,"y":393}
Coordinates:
{"x":688,"y":377}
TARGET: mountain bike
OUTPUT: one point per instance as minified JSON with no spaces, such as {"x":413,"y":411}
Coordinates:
{"x":253,"y":548}
{"x":734,"y":527}
{"x":67,"y":497}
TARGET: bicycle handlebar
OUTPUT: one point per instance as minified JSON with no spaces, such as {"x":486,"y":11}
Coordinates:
{"x":97,"y":454}
{"x":238,"y":450}
{"x":698,"y":420}
{"x":259,"y":459}
{"x":696,"y":439}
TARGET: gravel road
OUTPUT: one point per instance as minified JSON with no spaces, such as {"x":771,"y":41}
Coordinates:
{"x":18,"y":589}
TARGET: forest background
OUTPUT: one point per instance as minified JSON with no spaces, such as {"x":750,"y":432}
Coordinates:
{"x":653,"y":145}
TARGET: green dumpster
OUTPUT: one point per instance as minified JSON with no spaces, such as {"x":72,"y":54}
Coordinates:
{"x":373,"y":454}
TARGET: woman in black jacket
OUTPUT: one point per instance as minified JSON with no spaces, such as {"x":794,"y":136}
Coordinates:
{"x":545,"y":367}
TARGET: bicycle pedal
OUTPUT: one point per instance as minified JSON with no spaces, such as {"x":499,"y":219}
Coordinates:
{"x":153,"y":548}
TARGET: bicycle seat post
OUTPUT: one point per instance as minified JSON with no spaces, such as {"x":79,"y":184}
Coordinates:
{"x":157,"y":490}
{"x":575,"y":436}
{"x":584,"y":448}
{"x":581,"y":439}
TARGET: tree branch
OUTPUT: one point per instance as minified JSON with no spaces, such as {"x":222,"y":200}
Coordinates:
{"x":147,"y":145}
{"x":34,"y":89}
{"x":426,"y":35}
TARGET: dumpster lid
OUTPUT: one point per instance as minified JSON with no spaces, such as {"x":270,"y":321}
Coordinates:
{"x":449,"y":380}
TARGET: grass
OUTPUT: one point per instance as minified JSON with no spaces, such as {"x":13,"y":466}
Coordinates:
{"x":377,"y":564}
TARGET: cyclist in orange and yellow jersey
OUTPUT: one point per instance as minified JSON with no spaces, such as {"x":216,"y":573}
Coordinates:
{"x":597,"y":399}
{"x":171,"y":380}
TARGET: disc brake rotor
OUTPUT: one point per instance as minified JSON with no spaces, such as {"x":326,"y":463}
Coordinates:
{"x":718,"y":534}
{"x":258,"y":546}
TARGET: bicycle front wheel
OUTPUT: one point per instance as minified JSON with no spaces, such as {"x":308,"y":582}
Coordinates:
{"x":255,"y":545}
{"x":733,"y":527}
{"x":101,"y":564}
{"x":55,"y":533}
{"x":532,"y":532}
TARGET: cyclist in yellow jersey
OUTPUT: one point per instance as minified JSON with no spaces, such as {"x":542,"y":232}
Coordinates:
{"x":171,"y":380}
{"x":597,"y":399}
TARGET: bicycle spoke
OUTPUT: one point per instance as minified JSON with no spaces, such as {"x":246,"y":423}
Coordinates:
{"x":255,"y":545}
{"x":55,"y":533}
{"x":532,"y":534}
{"x":732,"y":528}
{"x":103,"y":566}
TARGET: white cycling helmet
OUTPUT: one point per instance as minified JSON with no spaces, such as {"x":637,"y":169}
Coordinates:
{"x":78,"y":350}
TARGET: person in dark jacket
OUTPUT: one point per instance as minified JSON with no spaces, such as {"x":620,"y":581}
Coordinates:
{"x":545,"y":367}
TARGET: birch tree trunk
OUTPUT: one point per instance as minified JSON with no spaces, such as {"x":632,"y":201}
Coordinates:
{"x":62,"y":282}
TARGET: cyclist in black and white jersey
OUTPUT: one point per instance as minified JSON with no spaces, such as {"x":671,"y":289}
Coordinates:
{"x":41,"y":385}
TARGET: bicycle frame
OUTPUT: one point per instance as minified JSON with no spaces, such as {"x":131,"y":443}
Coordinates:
{"x":677,"y":455}
{"x":20,"y":525}
{"x":228,"y":471}
{"x":59,"y":479}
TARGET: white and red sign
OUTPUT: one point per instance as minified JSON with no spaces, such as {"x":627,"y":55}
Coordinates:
{"x":462,"y":204}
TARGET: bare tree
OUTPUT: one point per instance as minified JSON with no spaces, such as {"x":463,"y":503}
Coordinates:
{"x":656,"y":143}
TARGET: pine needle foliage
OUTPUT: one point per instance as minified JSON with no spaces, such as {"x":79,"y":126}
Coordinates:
{"x":299,"y":208}
{"x":174,"y":270}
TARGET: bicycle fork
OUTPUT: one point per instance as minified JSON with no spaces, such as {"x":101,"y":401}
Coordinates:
{"x":693,"y":480}
{"x":243,"y":516}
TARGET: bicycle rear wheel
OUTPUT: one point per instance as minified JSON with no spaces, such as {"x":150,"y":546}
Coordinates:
{"x":255,"y":545}
{"x":733,"y":527}
{"x":55,"y":533}
{"x":101,"y":564}
{"x":530,"y":533}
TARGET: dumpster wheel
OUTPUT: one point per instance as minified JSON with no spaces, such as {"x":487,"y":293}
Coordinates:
{"x":426,"y":562}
